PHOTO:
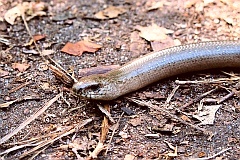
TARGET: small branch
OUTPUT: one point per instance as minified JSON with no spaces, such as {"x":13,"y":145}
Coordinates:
{"x":113,"y":132}
{"x":198,"y":98}
{"x":219,"y":80}
{"x":171,"y":95}
{"x":213,"y":156}
{"x":57,"y":137}
{"x":30,"y":119}
{"x":19,"y":87}
{"x":7,"y":104}
{"x":142,"y":103}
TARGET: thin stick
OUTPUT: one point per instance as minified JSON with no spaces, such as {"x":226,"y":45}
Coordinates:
{"x":142,"y":103}
{"x":59,"y":136}
{"x":18,"y":147}
{"x":28,"y":30}
{"x":171,"y":95}
{"x":38,"y":50}
{"x":62,"y":69}
{"x":198,"y":98}
{"x":213,"y":156}
{"x":30,"y":119}
{"x":106,"y":113}
{"x":114,"y":130}
{"x":220,"y":80}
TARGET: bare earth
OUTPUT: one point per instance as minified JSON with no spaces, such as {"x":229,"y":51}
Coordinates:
{"x":72,"y":21}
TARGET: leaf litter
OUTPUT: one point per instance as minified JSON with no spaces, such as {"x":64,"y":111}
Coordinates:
{"x":79,"y":47}
{"x":110,"y":12}
{"x":200,"y":7}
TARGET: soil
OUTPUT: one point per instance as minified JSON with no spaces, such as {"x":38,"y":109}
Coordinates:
{"x":72,"y":21}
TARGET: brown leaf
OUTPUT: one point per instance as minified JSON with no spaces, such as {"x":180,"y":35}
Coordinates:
{"x":137,"y":44}
{"x":152,"y":5}
{"x":154,"y":32}
{"x":168,"y":42}
{"x":32,"y":9}
{"x":110,"y":12}
{"x":38,"y":37}
{"x":20,"y":66}
{"x":159,"y":45}
{"x":185,"y":118}
{"x":78,"y":48}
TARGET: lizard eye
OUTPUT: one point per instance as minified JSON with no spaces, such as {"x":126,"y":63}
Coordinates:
{"x":92,"y":87}
{"x":83,"y":86}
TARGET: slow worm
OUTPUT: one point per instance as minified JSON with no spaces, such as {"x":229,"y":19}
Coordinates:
{"x":159,"y":65}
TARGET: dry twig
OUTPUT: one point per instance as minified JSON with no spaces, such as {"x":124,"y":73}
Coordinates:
{"x":213,"y":156}
{"x":19,"y":87}
{"x":104,"y":131}
{"x":171,"y":95}
{"x":7,"y":104}
{"x":113,"y":132}
{"x":219,"y":80}
{"x":198,"y":98}
{"x":30,"y":119}
{"x":143,"y":103}
{"x":57,"y":137}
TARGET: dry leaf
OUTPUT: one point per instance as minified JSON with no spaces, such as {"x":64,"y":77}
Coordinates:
{"x":154,"y":32}
{"x":185,"y":118}
{"x":159,"y":45}
{"x":32,"y":9}
{"x":129,"y":157}
{"x":110,"y":12}
{"x":20,"y":66}
{"x":155,"y":5}
{"x":137,"y":45}
{"x":12,"y":14}
{"x":78,"y":48}
{"x":168,"y":42}
{"x":207,"y":114}
{"x":38,"y":37}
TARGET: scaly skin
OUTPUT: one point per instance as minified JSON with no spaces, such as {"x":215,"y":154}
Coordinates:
{"x":159,"y":65}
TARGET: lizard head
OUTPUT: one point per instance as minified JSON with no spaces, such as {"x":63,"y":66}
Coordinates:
{"x":95,"y":87}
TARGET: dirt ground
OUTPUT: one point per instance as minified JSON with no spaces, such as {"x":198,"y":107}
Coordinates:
{"x":140,"y":132}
